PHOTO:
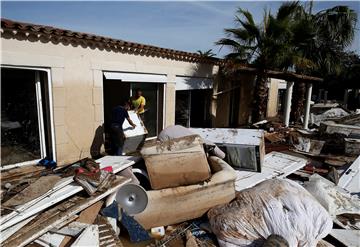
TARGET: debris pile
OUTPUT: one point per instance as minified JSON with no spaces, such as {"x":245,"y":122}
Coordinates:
{"x":193,"y":187}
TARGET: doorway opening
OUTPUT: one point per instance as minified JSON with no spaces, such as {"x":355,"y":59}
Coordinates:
{"x":25,"y":116}
{"x":193,"y":108}
{"x":117,"y":91}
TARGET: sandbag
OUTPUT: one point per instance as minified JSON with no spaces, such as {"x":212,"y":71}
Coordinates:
{"x":276,"y":206}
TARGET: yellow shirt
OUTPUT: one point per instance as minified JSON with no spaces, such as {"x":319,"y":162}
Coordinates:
{"x":137,"y":102}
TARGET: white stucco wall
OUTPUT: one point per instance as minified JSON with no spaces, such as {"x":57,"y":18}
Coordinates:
{"x":77,"y":82}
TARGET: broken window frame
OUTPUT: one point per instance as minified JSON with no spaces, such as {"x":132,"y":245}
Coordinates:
{"x":40,"y":110}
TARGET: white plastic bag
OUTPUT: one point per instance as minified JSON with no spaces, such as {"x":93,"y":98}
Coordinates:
{"x":276,"y":206}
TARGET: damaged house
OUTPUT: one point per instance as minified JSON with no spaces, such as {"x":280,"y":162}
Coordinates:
{"x":55,"y":80}
{"x":228,"y":186}
{"x":60,"y":86}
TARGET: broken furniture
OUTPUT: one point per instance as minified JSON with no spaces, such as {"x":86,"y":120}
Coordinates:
{"x":176,"y":162}
{"x":244,"y":148}
{"x":175,"y":205}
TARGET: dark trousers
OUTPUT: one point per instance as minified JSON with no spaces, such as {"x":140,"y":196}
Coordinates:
{"x":117,"y":139}
{"x":142,"y":117}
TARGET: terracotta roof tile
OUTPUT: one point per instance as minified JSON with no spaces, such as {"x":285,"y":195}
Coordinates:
{"x":57,"y":35}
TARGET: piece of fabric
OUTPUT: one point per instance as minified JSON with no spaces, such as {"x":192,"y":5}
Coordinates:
{"x":275,"y":206}
{"x":119,"y":114}
{"x":137,"y":102}
{"x":136,"y":232}
{"x":111,"y":211}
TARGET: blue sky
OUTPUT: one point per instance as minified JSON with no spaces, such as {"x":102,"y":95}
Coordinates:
{"x":188,"y":26}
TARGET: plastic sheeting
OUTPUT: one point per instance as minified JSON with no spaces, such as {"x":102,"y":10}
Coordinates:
{"x":276,"y":206}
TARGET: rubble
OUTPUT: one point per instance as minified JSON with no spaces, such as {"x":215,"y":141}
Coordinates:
{"x":331,"y":114}
{"x":189,"y":176}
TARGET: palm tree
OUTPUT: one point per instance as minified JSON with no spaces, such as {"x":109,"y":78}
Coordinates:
{"x":319,"y":39}
{"x":208,"y":53}
{"x":265,"y":46}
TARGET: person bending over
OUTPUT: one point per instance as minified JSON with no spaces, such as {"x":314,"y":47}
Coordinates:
{"x":119,"y":114}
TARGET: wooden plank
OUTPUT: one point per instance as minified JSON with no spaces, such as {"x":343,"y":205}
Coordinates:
{"x":107,"y":235}
{"x":276,"y":165}
{"x":33,"y":191}
{"x":50,"y":240}
{"x":87,"y":216}
{"x":47,"y":202}
{"x":11,"y":230}
{"x":21,"y":171}
{"x":32,"y":231}
{"x":22,"y":208}
{"x":58,"y":194}
{"x":72,"y":229}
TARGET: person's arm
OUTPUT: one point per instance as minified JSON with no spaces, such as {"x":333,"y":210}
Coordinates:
{"x":131,"y":122}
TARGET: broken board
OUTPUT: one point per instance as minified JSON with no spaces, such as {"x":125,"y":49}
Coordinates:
{"x":351,"y":177}
{"x":87,"y":216}
{"x":349,"y":238}
{"x":276,"y":165}
{"x":64,"y":189}
{"x":34,"y":190}
{"x":45,"y":222}
{"x":89,"y":237}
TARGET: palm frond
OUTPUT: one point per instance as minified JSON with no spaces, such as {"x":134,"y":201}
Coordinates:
{"x":248,"y":16}
{"x":287,"y":10}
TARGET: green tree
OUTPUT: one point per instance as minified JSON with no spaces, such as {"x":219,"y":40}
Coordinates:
{"x":208,"y":53}
{"x":319,"y":41}
{"x":265,"y":46}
